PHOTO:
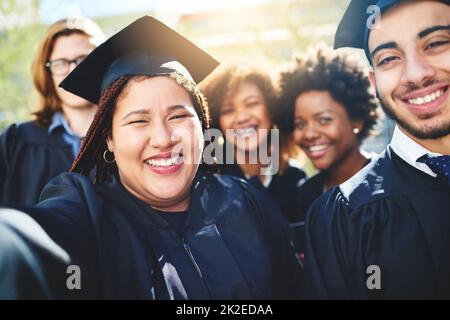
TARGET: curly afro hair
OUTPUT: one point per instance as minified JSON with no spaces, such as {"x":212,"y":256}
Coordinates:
{"x":227,"y":78}
{"x":337,"y":73}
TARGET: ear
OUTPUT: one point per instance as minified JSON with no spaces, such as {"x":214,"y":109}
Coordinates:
{"x":110,"y":144}
{"x":373,"y":80}
{"x":359,"y":124}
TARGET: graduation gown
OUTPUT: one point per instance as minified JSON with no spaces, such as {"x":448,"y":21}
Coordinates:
{"x":305,"y":195}
{"x":390,"y":215}
{"x":27,"y":256}
{"x":29,"y":159}
{"x":283,"y":189}
{"x":234,"y":244}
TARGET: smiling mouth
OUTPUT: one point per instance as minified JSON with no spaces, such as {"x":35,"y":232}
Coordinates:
{"x":427,"y":98}
{"x":165,"y":161}
{"x":316,"y":151}
{"x":246,"y":132}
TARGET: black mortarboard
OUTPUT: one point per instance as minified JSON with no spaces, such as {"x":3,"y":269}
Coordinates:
{"x":353,"y":30}
{"x":145,"y":47}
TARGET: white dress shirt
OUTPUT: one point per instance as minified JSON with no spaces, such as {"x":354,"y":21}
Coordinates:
{"x":409,"y":150}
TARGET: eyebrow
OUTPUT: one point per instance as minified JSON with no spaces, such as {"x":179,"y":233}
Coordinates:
{"x":387,"y":45}
{"x":432,"y":29}
{"x":253,"y":96}
{"x":322,"y":112}
{"x":317,"y":113}
{"x":148,"y":111}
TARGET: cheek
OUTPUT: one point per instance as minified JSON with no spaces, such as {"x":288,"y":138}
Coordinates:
{"x":335,"y":131}
{"x":191,"y":136}
{"x":387,"y":82}
{"x":262,"y":113}
{"x":298,"y":136}
{"x":56,"y":82}
{"x":342,"y":134}
{"x":128,"y":143}
{"x":226,"y":122}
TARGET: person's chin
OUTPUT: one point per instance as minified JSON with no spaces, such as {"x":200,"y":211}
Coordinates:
{"x":247,"y":149}
{"x":77,"y":103}
{"x":322,"y":164}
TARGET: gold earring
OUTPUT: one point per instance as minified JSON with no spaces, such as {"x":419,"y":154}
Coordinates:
{"x":355,"y":130}
{"x":106,"y":160}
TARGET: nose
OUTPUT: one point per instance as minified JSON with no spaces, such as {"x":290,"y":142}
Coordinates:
{"x":417,"y":69}
{"x":242,"y":117}
{"x":161,"y":136}
{"x":311,"y":133}
{"x":72,"y":65}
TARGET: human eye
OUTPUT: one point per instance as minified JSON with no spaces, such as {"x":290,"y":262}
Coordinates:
{"x":386,"y":61}
{"x":252,"y":103}
{"x":79,"y":59}
{"x":180,"y":116}
{"x":325,"y":120}
{"x":58,"y":65}
{"x":226,"y":110}
{"x":137,"y":121}
{"x":59,"y":62}
{"x":437,"y":42}
{"x":299,"y":125}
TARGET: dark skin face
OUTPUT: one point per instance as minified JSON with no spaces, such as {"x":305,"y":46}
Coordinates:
{"x":324,"y":131}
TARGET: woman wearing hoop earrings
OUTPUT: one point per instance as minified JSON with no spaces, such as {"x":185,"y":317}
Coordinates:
{"x":151,"y":224}
{"x":330,"y":110}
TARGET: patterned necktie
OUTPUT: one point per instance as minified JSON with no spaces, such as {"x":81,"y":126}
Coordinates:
{"x":439,"y":165}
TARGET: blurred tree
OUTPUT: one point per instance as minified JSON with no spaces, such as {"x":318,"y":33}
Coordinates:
{"x":20,"y":32}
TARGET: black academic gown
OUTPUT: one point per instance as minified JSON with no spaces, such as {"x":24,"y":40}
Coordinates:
{"x":390,"y":215}
{"x":305,"y":195}
{"x":29,"y":159}
{"x":234,"y":245}
{"x":27,"y":258}
{"x":283,"y":188}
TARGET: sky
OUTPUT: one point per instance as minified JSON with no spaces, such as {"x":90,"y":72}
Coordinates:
{"x":52,"y":10}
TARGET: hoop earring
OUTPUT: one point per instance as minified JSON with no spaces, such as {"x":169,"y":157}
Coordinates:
{"x":106,"y":160}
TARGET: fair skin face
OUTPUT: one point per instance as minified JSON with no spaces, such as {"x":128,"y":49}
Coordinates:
{"x":157,"y":141}
{"x":245,"y":111}
{"x":324,"y":131}
{"x":411,"y":61}
{"x":78,"y":112}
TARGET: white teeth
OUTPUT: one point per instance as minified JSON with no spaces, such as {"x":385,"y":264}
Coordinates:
{"x":164,"y":162}
{"x":427,"y":98}
{"x":318,"y":148}
{"x":245,"y":132}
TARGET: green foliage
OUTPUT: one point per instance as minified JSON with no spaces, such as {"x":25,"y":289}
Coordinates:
{"x":19,"y":36}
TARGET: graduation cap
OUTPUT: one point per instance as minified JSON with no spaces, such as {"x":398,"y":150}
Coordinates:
{"x":353,"y":30}
{"x":145,"y":47}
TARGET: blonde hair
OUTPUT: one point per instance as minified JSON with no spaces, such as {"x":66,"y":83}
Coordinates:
{"x":48,"y":99}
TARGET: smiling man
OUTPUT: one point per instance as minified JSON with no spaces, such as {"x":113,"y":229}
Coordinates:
{"x":385,"y":232}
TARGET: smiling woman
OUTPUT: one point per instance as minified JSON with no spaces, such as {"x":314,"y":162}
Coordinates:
{"x":243,"y":102}
{"x":152,"y":225}
{"x":328,"y":107}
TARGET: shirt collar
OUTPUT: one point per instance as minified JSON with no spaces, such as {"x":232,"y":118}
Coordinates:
{"x":410,"y":151}
{"x":59,"y":121}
